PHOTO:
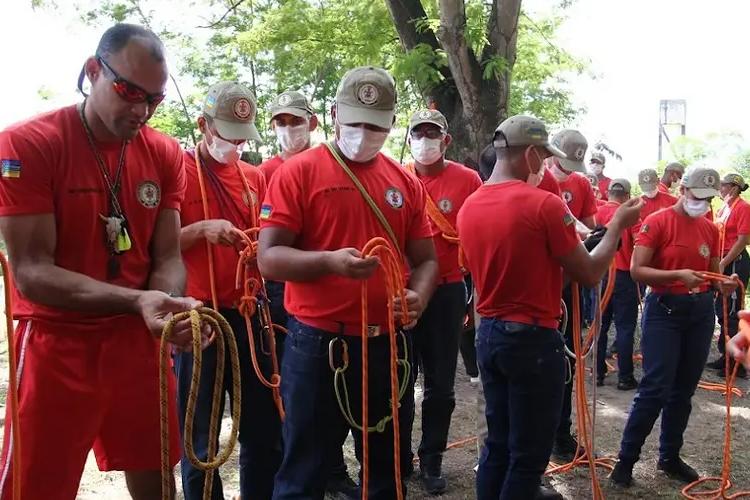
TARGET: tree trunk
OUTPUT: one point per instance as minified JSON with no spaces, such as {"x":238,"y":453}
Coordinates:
{"x":472,"y":105}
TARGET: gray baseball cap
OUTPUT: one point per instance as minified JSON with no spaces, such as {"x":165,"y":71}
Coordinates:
{"x":290,"y":102}
{"x":598,"y":157}
{"x":233,"y":109}
{"x":647,"y":179}
{"x":574,"y":145}
{"x":432,"y":116}
{"x":521,"y":130}
{"x":366,"y":95}
{"x":702,"y":182}
{"x":676,"y":167}
{"x":620,"y":186}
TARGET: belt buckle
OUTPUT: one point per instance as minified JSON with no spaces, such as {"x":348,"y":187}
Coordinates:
{"x":373,"y":331}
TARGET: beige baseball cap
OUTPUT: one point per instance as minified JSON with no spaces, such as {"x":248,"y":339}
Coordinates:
{"x":233,"y":108}
{"x":648,"y":180}
{"x":675,"y":166}
{"x":574,"y":145}
{"x":432,"y":116}
{"x":521,"y":130}
{"x":701,"y":181}
{"x":620,"y":186}
{"x":366,"y":95}
{"x":598,"y":157}
{"x":291,"y":102}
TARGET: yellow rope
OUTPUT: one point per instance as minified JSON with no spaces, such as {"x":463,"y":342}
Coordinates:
{"x":224,"y":335}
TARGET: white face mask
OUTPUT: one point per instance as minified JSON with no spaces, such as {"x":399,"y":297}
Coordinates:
{"x":426,"y":151}
{"x":360,"y":144}
{"x":675,"y":184}
{"x":597,"y":169}
{"x":696,"y":208}
{"x":651,"y":194}
{"x":293,"y":139}
{"x":559,"y":174}
{"x":534,"y":179}
{"x":223,"y":151}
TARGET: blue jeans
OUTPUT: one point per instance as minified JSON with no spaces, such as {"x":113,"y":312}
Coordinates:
{"x":314,"y":423}
{"x":677,"y":331}
{"x":624,"y":308}
{"x":522,"y":369}
{"x":260,"y":425}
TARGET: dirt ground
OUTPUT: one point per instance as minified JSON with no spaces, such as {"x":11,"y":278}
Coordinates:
{"x":703,"y":448}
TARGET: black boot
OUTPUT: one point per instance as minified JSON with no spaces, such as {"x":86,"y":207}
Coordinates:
{"x":431,"y":475}
{"x":341,"y":487}
{"x":627,"y":384}
{"x":622,"y":474}
{"x":716,"y":364}
{"x":677,"y":469}
{"x":546,"y":493}
{"x":565,"y":447}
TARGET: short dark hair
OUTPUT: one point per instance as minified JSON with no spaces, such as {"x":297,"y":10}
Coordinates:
{"x":117,"y":37}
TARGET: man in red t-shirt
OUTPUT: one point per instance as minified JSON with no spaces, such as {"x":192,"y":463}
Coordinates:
{"x":596,"y":166}
{"x":671,"y":179}
{"x":623,"y":306}
{"x":519,"y":349}
{"x":315,"y":219}
{"x":437,"y":333}
{"x":233,"y":190}
{"x":89,"y":210}
{"x":600,"y":200}
{"x":654,"y":199}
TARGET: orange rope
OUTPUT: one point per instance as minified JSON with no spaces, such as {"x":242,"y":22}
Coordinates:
{"x":15,"y":445}
{"x":728,"y":388}
{"x":394,"y":283}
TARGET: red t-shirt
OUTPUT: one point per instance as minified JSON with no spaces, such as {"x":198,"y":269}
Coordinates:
{"x":314,"y":198}
{"x":679,"y":242}
{"x":49,"y":168}
{"x":663,"y":188}
{"x":449,"y":189}
{"x":270,"y":166}
{"x":549,"y":183}
{"x":622,"y":257}
{"x":604,"y":183}
{"x":651,"y":205}
{"x":577,"y":192}
{"x":513,"y":256}
{"x":224,"y":258}
{"x":735,"y":221}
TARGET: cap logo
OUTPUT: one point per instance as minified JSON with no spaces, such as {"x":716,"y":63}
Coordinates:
{"x":423,"y":115}
{"x":242,"y":109}
{"x":579,"y":154}
{"x":210,"y":101}
{"x":709,"y":180}
{"x":646,"y":178}
{"x":536,"y":132}
{"x":368,"y":94}
{"x":285,"y":100}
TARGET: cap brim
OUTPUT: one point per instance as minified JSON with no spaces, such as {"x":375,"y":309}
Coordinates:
{"x":649,"y":186}
{"x":348,"y":115}
{"x":233,"y":131}
{"x":573,"y":165}
{"x":703,"y":193}
{"x":553,"y":150}
{"x":431,"y":122}
{"x":302,"y":113}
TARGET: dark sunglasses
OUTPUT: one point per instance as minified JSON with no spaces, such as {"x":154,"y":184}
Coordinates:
{"x":129,"y":92}
{"x":430,"y":133}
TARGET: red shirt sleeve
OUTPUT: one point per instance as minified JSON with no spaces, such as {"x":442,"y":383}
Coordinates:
{"x":175,"y":182}
{"x":715,"y":243}
{"x":559,"y":225}
{"x":26,"y":181}
{"x":589,"y":199}
{"x":650,"y":234}
{"x":419,"y":227}
{"x":282,"y":206}
{"x":743,"y":219}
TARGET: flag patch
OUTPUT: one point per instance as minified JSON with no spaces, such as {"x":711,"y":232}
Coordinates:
{"x":11,"y":168}
{"x":265,"y":211}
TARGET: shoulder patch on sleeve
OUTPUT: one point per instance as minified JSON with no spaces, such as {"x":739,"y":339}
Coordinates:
{"x":644,"y":228}
{"x":10,"y":168}
{"x":265,"y":211}
{"x":568,"y":219}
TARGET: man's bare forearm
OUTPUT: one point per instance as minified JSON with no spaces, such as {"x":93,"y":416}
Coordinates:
{"x":423,"y":279}
{"x":169,"y":276}
{"x":283,"y":263}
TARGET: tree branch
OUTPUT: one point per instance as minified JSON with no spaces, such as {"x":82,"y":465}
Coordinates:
{"x":502,"y":30}
{"x":231,"y":9}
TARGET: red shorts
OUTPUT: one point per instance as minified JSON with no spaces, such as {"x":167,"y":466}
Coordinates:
{"x":79,"y":391}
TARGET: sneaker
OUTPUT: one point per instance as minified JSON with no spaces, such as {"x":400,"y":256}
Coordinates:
{"x":545,"y":493}
{"x":622,"y":474}
{"x":432,"y":480}
{"x":627,"y":384}
{"x":717,"y":364}
{"x":342,"y":487}
{"x":677,"y":469}
{"x":565,"y":447}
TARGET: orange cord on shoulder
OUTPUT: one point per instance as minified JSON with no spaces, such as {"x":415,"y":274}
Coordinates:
{"x":394,"y":284}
